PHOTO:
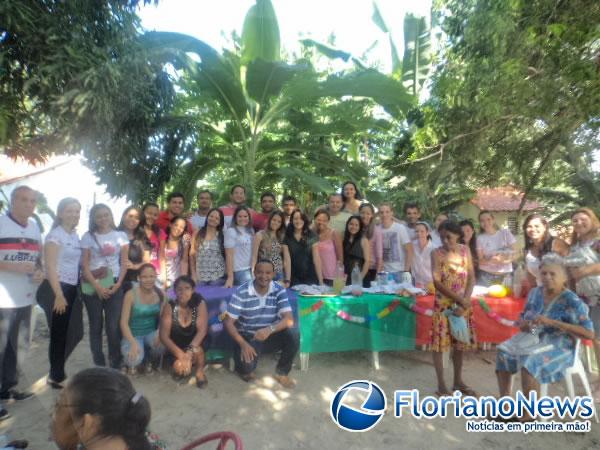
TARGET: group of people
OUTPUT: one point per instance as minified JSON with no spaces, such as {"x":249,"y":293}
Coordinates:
{"x":563,"y":292}
{"x":124,"y":271}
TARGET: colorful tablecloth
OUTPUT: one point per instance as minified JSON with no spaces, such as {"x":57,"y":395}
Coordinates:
{"x":370,"y":322}
{"x":488,"y":330}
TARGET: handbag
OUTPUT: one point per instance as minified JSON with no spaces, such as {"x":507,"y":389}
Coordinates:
{"x":523,"y":344}
{"x":458,"y":327}
{"x":105,"y":281}
{"x":103,"y":275}
{"x":527,"y":343}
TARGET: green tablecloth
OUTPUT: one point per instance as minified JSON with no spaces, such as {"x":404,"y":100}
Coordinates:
{"x":370,"y":322}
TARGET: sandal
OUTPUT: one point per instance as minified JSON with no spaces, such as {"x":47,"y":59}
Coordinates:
{"x":285,"y":381}
{"x":443,"y":394}
{"x":201,"y":382}
{"x":180,"y":379}
{"x":248,"y":377}
{"x":465,"y":390}
{"x":54,"y":384}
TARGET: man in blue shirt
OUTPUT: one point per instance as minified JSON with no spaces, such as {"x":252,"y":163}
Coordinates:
{"x":259,"y":318}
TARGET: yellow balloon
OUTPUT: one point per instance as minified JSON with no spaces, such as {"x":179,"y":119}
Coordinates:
{"x":498,"y":291}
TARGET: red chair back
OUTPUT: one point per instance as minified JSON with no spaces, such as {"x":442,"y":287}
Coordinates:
{"x":222,"y":436}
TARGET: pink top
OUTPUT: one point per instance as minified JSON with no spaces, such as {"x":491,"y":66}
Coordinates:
{"x":154,"y":250}
{"x":328,"y":258}
{"x":376,"y":243}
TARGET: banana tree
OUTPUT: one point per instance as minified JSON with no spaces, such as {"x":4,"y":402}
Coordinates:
{"x":249,"y":107}
{"x":415,"y":66}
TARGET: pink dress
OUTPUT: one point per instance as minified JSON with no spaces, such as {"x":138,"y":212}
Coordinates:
{"x":155,"y":247}
{"x":328,"y":258}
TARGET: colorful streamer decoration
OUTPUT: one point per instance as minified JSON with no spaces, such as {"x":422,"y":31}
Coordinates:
{"x":344,"y":315}
{"x":315,"y":307}
{"x":494,"y":315}
{"x":414,"y":307}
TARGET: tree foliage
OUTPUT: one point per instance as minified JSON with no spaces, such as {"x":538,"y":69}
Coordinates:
{"x":74,"y":78}
{"x":274,"y":124}
{"x":514,"y":99}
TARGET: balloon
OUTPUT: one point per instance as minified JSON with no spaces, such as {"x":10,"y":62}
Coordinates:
{"x":498,"y":291}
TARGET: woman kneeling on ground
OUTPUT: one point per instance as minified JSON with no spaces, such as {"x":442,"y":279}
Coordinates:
{"x":561,"y":317}
{"x":142,"y":305}
{"x":183,"y":327}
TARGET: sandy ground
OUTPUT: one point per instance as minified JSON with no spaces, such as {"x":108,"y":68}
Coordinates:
{"x":269,"y":417}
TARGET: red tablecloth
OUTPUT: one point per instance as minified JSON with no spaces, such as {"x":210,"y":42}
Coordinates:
{"x":486,"y":328}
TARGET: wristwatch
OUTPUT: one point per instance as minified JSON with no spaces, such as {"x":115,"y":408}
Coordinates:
{"x":272,"y":328}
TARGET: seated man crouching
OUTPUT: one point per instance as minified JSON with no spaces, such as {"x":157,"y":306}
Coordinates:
{"x":259,"y":318}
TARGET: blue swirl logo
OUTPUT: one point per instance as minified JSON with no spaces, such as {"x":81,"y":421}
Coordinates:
{"x":368,"y":415}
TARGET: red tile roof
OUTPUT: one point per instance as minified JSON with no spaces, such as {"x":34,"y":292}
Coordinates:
{"x":505,"y":198}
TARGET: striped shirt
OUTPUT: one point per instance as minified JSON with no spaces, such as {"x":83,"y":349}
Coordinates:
{"x":252,"y":311}
{"x":18,"y":244}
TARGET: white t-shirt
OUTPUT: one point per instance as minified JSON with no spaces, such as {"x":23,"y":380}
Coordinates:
{"x":394,"y":239}
{"x":421,"y":268}
{"x":412,"y":234}
{"x":69,"y":254}
{"x":240,"y":240}
{"x":338,"y":222}
{"x":533,"y":266}
{"x":18,"y":244}
{"x":436,"y":240}
{"x":499,"y":242}
{"x":197,"y":221}
{"x":107,"y":251}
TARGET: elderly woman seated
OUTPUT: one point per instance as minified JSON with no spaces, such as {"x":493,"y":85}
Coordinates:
{"x":560,"y":318}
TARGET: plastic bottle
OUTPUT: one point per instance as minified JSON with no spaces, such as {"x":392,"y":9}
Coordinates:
{"x":518,"y":278}
{"x":340,"y":279}
{"x":356,"y":278}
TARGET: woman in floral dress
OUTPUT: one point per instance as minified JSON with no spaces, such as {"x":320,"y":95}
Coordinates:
{"x":453,"y":278}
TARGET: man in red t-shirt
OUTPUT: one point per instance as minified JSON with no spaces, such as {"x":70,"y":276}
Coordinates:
{"x":260,"y":220}
{"x":175,"y":207}
{"x":237,"y":197}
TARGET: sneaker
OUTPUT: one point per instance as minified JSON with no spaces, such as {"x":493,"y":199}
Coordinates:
{"x":4,"y":414}
{"x":15,"y":395}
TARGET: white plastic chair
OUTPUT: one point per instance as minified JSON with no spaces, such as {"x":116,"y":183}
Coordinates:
{"x":36,"y":311}
{"x":576,"y":369}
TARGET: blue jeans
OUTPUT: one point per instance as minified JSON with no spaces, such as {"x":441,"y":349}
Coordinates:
{"x":217,"y":282}
{"x":241,"y":276}
{"x":105,"y":312}
{"x":488,"y":279}
{"x":11,"y":320}
{"x":148,"y":345}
